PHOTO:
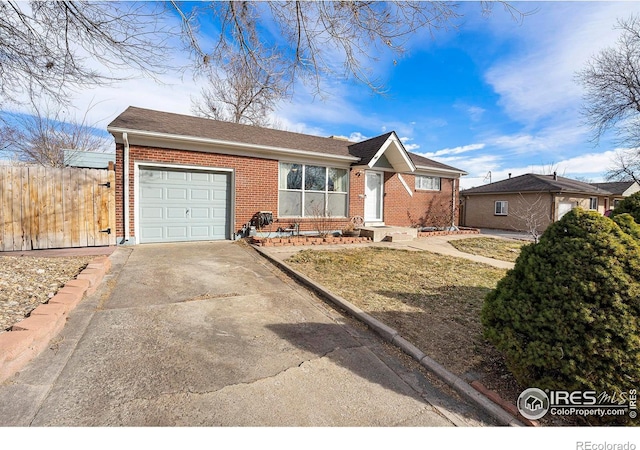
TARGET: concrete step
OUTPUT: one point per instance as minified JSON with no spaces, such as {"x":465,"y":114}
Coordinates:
{"x":398,"y":237}
{"x":378,"y":234}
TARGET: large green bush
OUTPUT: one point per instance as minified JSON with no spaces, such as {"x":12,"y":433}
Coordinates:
{"x":567,"y":317}
{"x":628,"y":225}
{"x":629,"y":205}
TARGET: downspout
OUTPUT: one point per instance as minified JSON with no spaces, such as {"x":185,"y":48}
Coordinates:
{"x":453,"y":204}
{"x":125,"y":173}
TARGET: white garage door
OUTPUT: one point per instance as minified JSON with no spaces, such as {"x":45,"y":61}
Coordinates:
{"x":183,"y":205}
{"x":565,"y":207}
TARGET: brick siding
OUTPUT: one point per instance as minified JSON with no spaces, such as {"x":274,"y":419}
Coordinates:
{"x":256,"y":189}
{"x":424,"y":208}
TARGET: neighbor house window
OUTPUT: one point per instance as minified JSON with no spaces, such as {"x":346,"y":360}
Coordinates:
{"x":593,"y":203}
{"x":427,"y":183}
{"x":501,"y":208}
{"x":307,"y":191}
{"x":616,"y":202}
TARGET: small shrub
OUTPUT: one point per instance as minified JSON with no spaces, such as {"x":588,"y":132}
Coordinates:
{"x":567,"y":317}
{"x":629,"y":205}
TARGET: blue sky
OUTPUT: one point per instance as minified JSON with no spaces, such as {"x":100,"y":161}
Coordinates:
{"x":495,"y":95}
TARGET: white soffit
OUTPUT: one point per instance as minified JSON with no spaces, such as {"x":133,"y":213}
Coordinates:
{"x":396,"y":155}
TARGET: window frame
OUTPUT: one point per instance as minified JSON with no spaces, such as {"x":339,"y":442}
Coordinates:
{"x":591,"y":200}
{"x":303,"y":191}
{"x":419,"y":187}
{"x":504,"y":210}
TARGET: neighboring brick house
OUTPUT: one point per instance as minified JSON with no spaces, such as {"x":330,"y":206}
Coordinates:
{"x":184,"y":178}
{"x":619,"y":190}
{"x":528,"y":200}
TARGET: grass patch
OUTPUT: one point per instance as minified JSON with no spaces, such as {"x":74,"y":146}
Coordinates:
{"x":502,"y":249}
{"x":432,"y":300}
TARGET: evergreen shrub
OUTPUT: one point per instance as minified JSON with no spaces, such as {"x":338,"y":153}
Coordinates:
{"x":567,"y":317}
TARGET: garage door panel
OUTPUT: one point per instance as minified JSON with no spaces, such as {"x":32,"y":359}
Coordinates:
{"x":183,"y":206}
{"x":151,"y":177}
{"x":195,"y":176}
{"x":175,"y":175}
{"x":176,"y":194}
{"x":200,"y":194}
{"x":176,"y":213}
{"x":220,"y":195}
{"x":152,"y":193}
{"x":150,"y":212}
{"x":177,"y":232}
{"x":219,"y":213}
{"x":200,"y":213}
{"x":200,"y":232}
{"x":151,"y":233}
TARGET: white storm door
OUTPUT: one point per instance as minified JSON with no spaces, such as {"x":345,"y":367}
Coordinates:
{"x":373,"y":190}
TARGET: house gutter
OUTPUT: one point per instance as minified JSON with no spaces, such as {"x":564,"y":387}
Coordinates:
{"x":125,"y":172}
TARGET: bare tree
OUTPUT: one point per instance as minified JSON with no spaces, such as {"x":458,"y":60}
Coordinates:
{"x":42,"y":136}
{"x":625,"y":166}
{"x":532,"y":215}
{"x":240,"y":95}
{"x":439,"y":214}
{"x":612,"y":83}
{"x":51,"y":47}
{"x":311,"y":41}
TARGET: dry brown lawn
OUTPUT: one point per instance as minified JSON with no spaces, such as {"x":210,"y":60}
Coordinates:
{"x":502,"y":249}
{"x":432,"y":300}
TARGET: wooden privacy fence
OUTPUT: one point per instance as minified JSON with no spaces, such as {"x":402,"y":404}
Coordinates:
{"x":45,"y":207}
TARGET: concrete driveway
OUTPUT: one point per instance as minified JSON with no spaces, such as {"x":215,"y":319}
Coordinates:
{"x":210,"y":334}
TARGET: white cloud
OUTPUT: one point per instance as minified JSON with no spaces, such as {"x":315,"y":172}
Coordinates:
{"x":553,"y":44}
{"x":356,"y":136}
{"x":454,"y":150}
{"x":545,"y":141}
{"x":475,"y":112}
{"x":409,"y":147}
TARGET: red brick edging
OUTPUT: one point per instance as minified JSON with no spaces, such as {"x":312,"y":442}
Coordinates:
{"x":29,"y":337}
{"x":446,"y":233}
{"x":307,"y":240}
{"x":507,"y":406}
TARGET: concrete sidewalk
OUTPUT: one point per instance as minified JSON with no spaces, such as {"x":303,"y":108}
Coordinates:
{"x":211,"y":334}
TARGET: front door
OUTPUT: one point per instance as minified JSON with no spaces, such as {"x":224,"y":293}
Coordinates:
{"x":374,"y":187}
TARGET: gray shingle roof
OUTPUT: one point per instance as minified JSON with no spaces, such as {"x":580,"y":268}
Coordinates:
{"x":142,"y":119}
{"x":537,"y":183}
{"x":616,"y":187}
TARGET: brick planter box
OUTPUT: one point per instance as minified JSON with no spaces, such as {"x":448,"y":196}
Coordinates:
{"x":307,"y":240}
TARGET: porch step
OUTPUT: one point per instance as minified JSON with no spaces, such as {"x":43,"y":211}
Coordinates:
{"x":398,"y":237}
{"x":387,"y":233}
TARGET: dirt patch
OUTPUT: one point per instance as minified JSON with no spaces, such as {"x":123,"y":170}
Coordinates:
{"x":432,"y":300}
{"x":502,"y":249}
{"x":26,"y":282}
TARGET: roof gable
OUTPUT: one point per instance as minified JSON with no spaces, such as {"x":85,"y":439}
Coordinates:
{"x":387,"y":145}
